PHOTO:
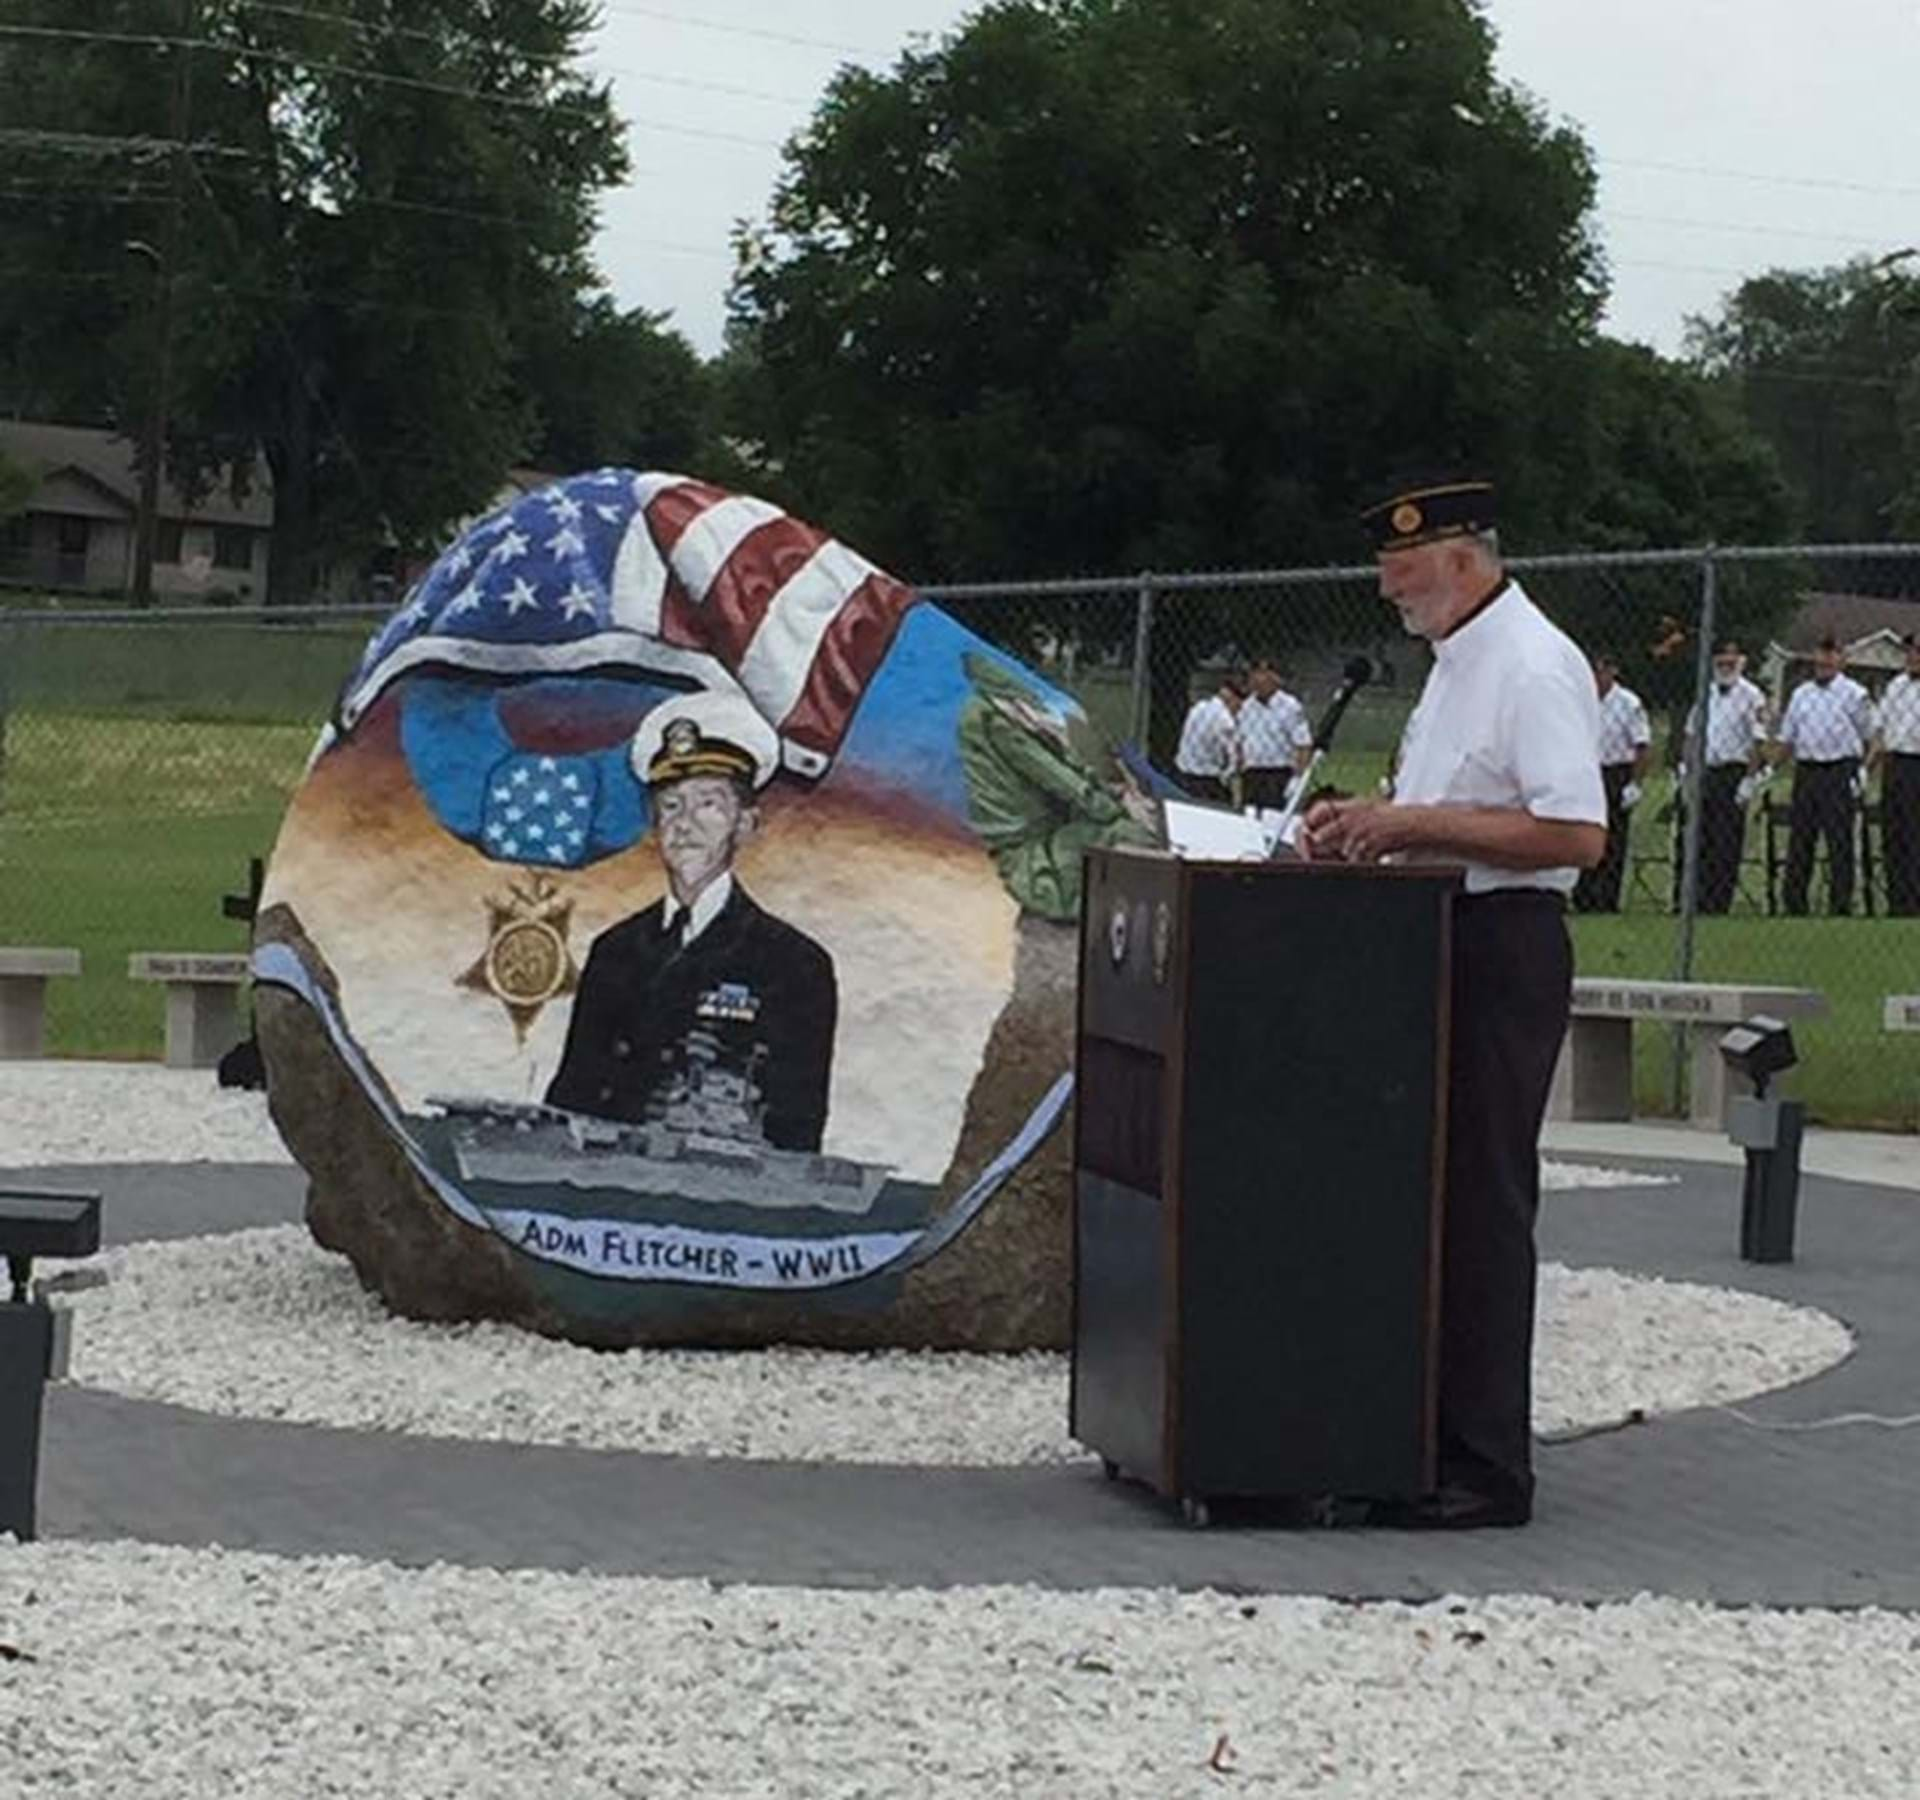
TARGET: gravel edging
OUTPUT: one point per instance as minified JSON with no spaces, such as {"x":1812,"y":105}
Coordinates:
{"x":264,"y":1324}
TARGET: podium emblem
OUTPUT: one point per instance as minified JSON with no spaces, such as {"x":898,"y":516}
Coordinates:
{"x":1117,"y":933}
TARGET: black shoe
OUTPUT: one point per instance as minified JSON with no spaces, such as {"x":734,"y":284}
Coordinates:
{"x":1451,"y":1507}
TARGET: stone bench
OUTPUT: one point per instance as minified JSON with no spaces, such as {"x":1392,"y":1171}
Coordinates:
{"x":1903,"y":1013}
{"x":203,"y":1002}
{"x":1594,"y":1079}
{"x":24,"y":973}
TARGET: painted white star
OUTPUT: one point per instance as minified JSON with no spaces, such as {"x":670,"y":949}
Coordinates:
{"x":577,"y":602}
{"x":576,"y":838}
{"x":566,"y":542}
{"x":468,"y":600}
{"x":511,"y":846}
{"x":496,"y":832}
{"x":521,"y":778}
{"x":570,"y":782}
{"x":418,"y":610}
{"x":501,"y":793}
{"x":515,"y":814}
{"x":548,"y":765}
{"x":565,"y":508}
{"x":459,"y":559}
{"x":536,"y":831}
{"x":562,"y":820}
{"x":611,"y":514}
{"x":543,"y":796}
{"x":521,"y":597}
{"x":513,"y":545}
{"x":607,"y":478}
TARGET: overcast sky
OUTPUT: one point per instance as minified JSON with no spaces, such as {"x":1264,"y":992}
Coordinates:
{"x":1732,"y":135}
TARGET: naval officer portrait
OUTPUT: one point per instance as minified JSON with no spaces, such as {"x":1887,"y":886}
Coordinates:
{"x":1499,"y":771}
{"x":704,"y":977}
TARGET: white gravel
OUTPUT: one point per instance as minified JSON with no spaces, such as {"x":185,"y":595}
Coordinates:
{"x":141,"y":1673}
{"x":87,"y":1112}
{"x":264,"y":1324}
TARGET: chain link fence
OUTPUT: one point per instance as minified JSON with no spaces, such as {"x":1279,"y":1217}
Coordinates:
{"x":148,"y":756}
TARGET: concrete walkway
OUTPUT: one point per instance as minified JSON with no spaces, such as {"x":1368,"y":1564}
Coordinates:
{"x":1697,"y":1505}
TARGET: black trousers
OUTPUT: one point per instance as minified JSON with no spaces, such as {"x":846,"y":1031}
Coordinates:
{"x":1512,"y":986}
{"x":1723,"y":836}
{"x":1900,"y":831}
{"x":1206,"y":787}
{"x":1822,"y":808}
{"x":1266,"y":787}
{"x":1598,"y":889}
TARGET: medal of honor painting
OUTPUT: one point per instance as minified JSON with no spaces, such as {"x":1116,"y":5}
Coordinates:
{"x":660,"y":892}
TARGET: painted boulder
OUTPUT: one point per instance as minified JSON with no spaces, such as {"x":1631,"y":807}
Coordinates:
{"x":673,"y":941}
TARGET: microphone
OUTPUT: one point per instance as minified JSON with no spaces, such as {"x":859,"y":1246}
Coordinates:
{"x":1355,"y":676}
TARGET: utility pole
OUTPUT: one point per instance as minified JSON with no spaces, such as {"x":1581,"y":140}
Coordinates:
{"x":167,"y":262}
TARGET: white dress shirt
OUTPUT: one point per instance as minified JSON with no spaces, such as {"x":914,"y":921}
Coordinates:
{"x":705,"y":908}
{"x":1209,"y":742}
{"x":1508,"y":718}
{"x":1900,"y":716}
{"x":1624,"y":731}
{"x":1271,"y":730}
{"x":1736,"y":722}
{"x":1828,"y":721}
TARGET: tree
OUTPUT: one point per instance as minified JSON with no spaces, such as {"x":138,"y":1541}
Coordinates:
{"x":1826,"y":365}
{"x":1105,"y":284}
{"x":379,"y":204}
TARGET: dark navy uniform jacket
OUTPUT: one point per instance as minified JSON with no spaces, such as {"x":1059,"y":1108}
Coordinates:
{"x":749,"y":979}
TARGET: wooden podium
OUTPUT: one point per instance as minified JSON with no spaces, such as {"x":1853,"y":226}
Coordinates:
{"x":1259,"y":1158}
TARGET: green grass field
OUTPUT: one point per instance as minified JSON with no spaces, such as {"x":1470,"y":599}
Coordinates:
{"x":144,"y":767}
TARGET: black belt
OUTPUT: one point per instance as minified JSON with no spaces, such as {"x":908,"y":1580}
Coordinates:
{"x":1912,"y":756}
{"x":1831,"y":762}
{"x":1550,"y":898}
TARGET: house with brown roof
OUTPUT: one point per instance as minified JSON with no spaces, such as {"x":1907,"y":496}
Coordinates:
{"x":76,"y":534}
{"x":1868,"y":627}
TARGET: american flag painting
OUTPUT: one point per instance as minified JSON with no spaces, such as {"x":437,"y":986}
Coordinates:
{"x":656,"y":573}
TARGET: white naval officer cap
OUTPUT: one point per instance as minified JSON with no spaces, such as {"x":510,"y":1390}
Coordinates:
{"x":708,"y":733}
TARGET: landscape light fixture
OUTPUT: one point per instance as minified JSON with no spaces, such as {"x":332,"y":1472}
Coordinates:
{"x":33,"y":1222}
{"x":1769,"y":1130}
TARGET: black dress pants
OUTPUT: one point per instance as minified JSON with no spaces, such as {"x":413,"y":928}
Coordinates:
{"x":1723,"y":835}
{"x":1598,"y":889}
{"x":1822,"y":808}
{"x":1206,"y":787}
{"x":1512,"y":986}
{"x":1900,"y":831}
{"x":1266,"y":787}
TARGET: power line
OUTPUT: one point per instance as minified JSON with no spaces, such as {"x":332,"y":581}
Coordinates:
{"x":1831,"y":237}
{"x":752,"y":31}
{"x":1805,"y":181}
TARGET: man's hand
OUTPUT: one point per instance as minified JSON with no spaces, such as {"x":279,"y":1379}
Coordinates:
{"x":1630,"y":796}
{"x":1359,"y":831}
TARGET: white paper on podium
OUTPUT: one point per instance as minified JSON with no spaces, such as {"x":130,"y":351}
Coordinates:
{"x":1212,"y":833}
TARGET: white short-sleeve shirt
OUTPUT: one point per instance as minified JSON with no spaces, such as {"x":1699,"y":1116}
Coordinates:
{"x":1508,"y":718}
{"x":1272,"y":730}
{"x":1624,"y":731}
{"x":1900,"y":716}
{"x":1736,"y":722}
{"x":1828,"y":721}
{"x":1209,"y":744}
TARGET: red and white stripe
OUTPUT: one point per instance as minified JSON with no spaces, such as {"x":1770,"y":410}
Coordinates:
{"x":799,"y":620}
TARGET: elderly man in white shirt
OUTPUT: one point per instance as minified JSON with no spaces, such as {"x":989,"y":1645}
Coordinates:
{"x":1208,"y":758}
{"x":1826,"y":729}
{"x":1898,"y":754}
{"x":1499,"y":771}
{"x":1626,"y":740}
{"x":1276,"y":742}
{"x":1736,"y":753}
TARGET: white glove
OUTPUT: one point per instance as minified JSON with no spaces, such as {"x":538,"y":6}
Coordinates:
{"x":1744,"y":793}
{"x":1859,"y":784}
{"x":1630,"y":796}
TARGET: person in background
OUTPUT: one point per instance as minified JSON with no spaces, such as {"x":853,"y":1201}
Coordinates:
{"x":1736,"y":746}
{"x":1626,"y":740}
{"x":1208,"y":760}
{"x":1898,"y":755}
{"x":1276,"y":742}
{"x":1826,"y":730}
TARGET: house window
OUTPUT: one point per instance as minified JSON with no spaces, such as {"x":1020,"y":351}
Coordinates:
{"x":71,"y":533}
{"x":232,"y":547}
{"x":166,"y":541}
{"x":16,"y":541}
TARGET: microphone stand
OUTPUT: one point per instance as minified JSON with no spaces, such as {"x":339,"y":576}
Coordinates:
{"x":1357,"y":674}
